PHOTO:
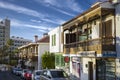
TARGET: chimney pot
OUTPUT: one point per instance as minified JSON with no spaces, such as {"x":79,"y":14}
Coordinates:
{"x":36,"y":38}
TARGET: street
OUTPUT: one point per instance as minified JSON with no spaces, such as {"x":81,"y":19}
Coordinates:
{"x":7,"y":75}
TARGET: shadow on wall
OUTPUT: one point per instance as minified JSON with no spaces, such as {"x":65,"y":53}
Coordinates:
{"x":118,"y":46}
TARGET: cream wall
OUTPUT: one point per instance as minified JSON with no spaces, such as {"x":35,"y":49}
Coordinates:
{"x":42,"y":48}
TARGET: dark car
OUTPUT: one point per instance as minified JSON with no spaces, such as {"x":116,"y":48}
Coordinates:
{"x":54,"y":74}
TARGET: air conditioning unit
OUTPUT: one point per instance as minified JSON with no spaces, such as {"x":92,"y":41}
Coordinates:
{"x":115,"y":1}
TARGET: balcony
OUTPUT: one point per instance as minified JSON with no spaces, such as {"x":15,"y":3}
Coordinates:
{"x":98,"y":45}
{"x":34,"y":58}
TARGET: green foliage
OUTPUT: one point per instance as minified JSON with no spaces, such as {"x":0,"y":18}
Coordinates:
{"x":10,"y":42}
{"x":5,"y":50}
{"x":48,"y":60}
{"x":13,"y":62}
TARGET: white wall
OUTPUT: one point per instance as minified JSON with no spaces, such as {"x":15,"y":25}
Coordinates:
{"x":84,"y":69}
{"x":95,"y":30}
{"x":41,"y":50}
{"x":118,"y":29}
{"x":59,"y":46}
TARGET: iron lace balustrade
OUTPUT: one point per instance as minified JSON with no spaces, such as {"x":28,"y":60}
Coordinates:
{"x":103,"y":44}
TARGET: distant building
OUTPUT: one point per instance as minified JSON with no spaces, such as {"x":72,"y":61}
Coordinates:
{"x":18,"y":41}
{"x":4,"y":31}
{"x":33,"y":51}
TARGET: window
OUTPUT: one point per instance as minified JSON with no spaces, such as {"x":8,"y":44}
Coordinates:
{"x":107,"y":28}
{"x":54,"y":40}
{"x":94,"y":22}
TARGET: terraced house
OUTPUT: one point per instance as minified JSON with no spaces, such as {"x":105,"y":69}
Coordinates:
{"x":90,"y":42}
{"x":31,"y":53}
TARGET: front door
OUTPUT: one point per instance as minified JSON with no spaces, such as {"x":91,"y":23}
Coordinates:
{"x":90,"y":70}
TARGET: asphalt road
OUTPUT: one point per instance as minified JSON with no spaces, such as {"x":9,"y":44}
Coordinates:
{"x":7,"y":75}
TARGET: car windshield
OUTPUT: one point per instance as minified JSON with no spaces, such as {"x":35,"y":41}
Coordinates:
{"x":29,"y":72}
{"x":25,"y":70}
{"x":38,"y":73}
{"x":19,"y":69}
{"x":58,"y":74}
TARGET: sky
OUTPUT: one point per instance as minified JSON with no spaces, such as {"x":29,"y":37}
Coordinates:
{"x":36,"y":17}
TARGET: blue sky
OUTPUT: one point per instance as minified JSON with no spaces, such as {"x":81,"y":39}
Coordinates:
{"x":35,"y":17}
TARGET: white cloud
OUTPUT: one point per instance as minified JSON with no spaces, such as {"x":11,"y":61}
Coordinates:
{"x":54,"y":21}
{"x":74,"y":5}
{"x":42,"y":27}
{"x":67,"y":4}
{"x":44,"y":31}
{"x":64,"y":12}
{"x":20,"y":9}
{"x":30,"y":12}
{"x":17,"y":23}
{"x":60,"y":21}
{"x":36,"y":21}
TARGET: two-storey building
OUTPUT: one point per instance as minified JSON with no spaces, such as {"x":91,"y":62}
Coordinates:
{"x":31,"y":53}
{"x":89,"y":42}
{"x":56,"y":46}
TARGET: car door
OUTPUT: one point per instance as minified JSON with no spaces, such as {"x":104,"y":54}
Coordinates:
{"x":44,"y":75}
{"x":49,"y":77}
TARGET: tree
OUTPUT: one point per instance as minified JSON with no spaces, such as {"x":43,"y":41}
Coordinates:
{"x":4,"y":50}
{"x":48,"y":60}
{"x":9,"y":42}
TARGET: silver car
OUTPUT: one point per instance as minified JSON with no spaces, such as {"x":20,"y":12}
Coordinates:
{"x":36,"y":75}
{"x":54,"y":74}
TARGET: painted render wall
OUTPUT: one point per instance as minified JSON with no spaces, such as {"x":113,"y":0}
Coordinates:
{"x":84,"y":68}
{"x":41,"y":50}
{"x":59,"y":46}
{"x":117,"y":7}
{"x":95,"y":30}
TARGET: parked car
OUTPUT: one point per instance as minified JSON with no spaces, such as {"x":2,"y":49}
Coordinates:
{"x":23,"y":72}
{"x":18,"y":71}
{"x":28,"y":75}
{"x":13,"y":70}
{"x":36,"y":75}
{"x":54,"y":74}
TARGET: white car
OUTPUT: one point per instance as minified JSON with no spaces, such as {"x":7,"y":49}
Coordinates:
{"x":18,"y":71}
{"x":54,"y":74}
{"x":36,"y":75}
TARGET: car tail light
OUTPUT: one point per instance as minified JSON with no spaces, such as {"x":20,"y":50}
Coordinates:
{"x":28,"y":75}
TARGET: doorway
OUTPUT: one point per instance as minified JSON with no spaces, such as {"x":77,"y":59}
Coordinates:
{"x":90,"y":70}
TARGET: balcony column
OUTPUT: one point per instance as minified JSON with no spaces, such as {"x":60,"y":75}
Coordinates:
{"x":100,"y":31}
{"x":35,"y":49}
{"x":69,"y":39}
{"x":77,"y":37}
{"x":87,"y":34}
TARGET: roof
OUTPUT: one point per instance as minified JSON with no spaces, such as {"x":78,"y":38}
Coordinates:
{"x":87,"y":11}
{"x":27,"y":45}
{"x":44,"y":39}
{"x":93,"y":7}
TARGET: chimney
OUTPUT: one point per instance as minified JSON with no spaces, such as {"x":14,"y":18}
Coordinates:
{"x":45,"y":34}
{"x":36,"y":38}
